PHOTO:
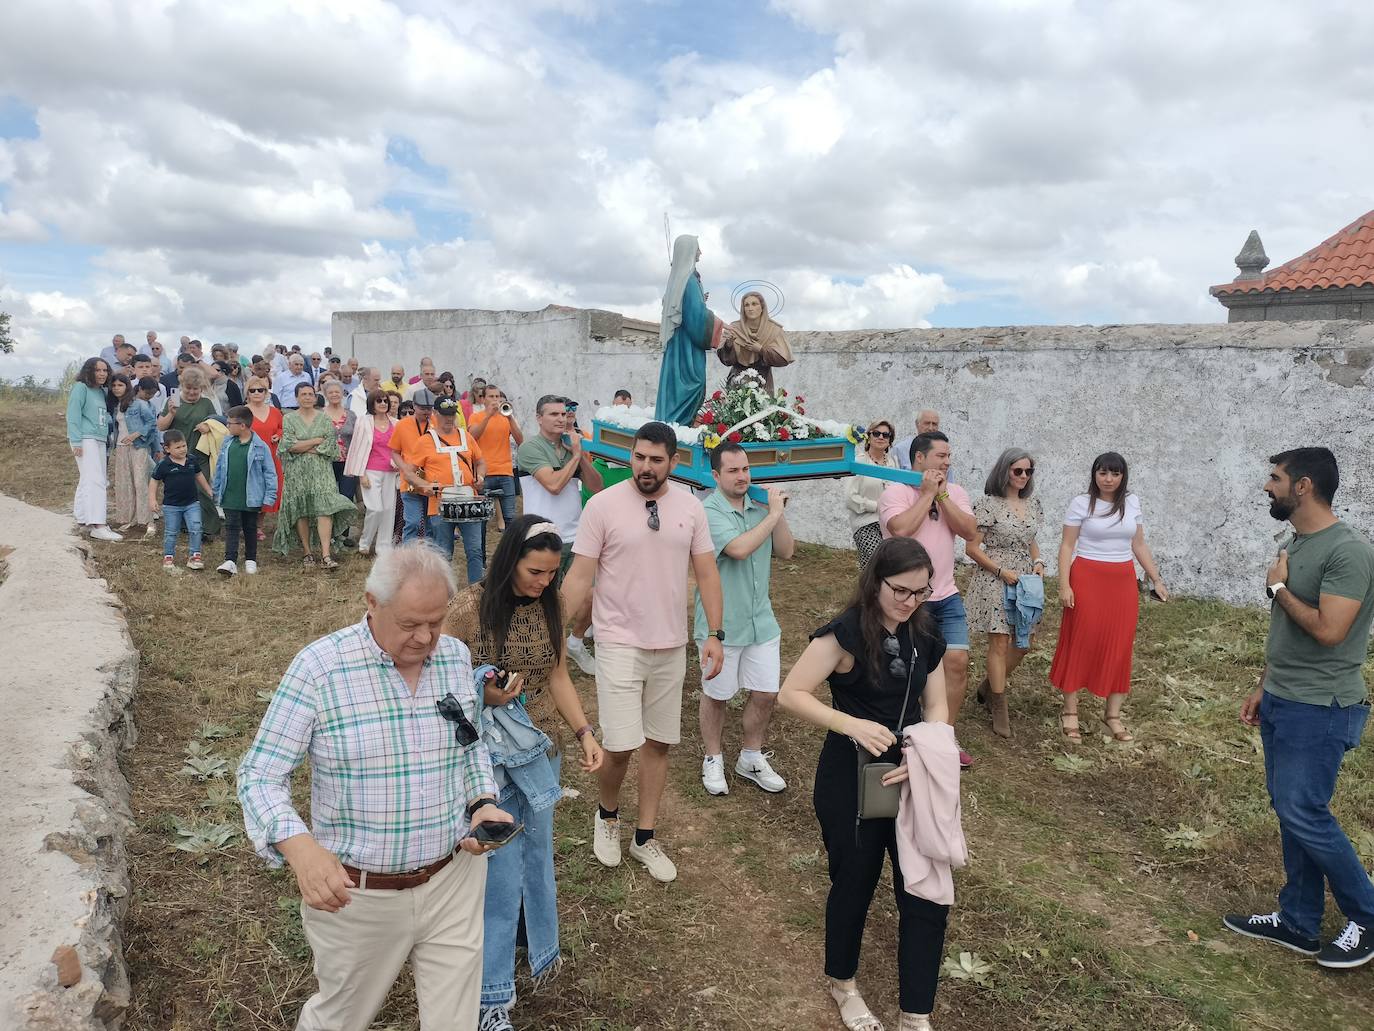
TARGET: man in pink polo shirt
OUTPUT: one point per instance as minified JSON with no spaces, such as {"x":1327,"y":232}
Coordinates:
{"x":934,"y":514}
{"x":636,"y":541}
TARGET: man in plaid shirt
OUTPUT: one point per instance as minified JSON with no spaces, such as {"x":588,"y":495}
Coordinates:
{"x":386,"y":710}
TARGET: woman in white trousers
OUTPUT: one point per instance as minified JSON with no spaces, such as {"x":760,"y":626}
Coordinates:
{"x":371,"y":459}
{"x":88,"y":434}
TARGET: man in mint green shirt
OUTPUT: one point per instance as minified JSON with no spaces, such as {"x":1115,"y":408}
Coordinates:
{"x":1311,"y":707}
{"x":746,"y":536}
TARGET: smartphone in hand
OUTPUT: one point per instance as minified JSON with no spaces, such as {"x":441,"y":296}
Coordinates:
{"x":494,"y":835}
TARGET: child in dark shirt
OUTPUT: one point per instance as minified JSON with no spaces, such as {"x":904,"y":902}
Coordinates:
{"x":245,"y":481}
{"x":179,"y":475}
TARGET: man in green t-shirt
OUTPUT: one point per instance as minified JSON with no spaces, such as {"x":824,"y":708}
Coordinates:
{"x":1311,"y":707}
{"x":555,"y":467}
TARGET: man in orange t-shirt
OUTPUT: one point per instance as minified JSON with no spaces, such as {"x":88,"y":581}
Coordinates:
{"x":497,"y":433}
{"x":446,"y":455}
{"x":405,"y":441}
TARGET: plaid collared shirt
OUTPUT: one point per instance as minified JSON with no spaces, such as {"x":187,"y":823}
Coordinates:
{"x":389,"y":783}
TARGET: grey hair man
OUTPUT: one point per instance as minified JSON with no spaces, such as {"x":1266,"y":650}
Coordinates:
{"x":390,"y":867}
{"x":927,"y":421}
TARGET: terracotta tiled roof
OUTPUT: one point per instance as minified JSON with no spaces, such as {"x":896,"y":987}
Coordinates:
{"x":1346,"y":259}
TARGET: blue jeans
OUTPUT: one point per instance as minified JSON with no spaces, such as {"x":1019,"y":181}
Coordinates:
{"x":173,"y":518}
{"x":1303,"y":748}
{"x":441,"y":534}
{"x":505,"y":484}
{"x":952,"y":620}
{"x":520,"y":883}
{"x":414,"y":509}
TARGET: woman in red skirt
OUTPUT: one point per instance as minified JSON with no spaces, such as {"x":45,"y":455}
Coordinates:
{"x":1103,"y":538}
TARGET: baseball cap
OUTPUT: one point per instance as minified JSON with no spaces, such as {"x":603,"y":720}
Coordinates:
{"x":444,"y":406}
{"x":423,"y":398}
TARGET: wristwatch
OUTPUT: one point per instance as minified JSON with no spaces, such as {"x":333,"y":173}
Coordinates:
{"x":719,"y":635}
{"x":1273,"y":589}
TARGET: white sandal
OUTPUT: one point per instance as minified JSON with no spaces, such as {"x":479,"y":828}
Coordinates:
{"x":915,"y":1022}
{"x":854,"y":1012}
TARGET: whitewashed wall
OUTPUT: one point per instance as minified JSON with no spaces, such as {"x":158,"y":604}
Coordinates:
{"x":1195,"y":409}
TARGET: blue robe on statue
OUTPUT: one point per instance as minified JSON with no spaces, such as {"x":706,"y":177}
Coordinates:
{"x":682,"y":376}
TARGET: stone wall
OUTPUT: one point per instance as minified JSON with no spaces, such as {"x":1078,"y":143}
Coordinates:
{"x":67,"y":676}
{"x":1194,"y":408}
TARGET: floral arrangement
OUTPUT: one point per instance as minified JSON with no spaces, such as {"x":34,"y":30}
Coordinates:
{"x":745,"y":413}
{"x":746,"y":399}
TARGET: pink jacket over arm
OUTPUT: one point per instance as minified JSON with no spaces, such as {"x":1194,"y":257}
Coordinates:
{"x":930,"y":833}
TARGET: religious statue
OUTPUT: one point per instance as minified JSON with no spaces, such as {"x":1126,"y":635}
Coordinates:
{"x":756,"y":342}
{"x":687,"y":331}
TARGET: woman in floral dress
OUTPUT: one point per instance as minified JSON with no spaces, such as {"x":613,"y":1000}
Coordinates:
{"x":1008,"y":521}
{"x":309,"y":448}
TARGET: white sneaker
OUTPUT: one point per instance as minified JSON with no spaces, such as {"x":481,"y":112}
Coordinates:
{"x":651,"y":854}
{"x":195,"y":562}
{"x":228,"y":567}
{"x":151,"y":532}
{"x":494,"y":1018}
{"x":713,"y":775}
{"x":250,"y":567}
{"x":104,"y":533}
{"x":606,"y":841}
{"x":761,"y":773}
{"x":586,"y":662}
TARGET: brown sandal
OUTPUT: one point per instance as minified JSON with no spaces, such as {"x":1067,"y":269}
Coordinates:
{"x":1070,"y":732}
{"x":1123,"y":735}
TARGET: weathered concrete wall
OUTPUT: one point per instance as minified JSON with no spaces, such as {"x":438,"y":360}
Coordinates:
{"x":1194,"y":408}
{"x":67,"y":675}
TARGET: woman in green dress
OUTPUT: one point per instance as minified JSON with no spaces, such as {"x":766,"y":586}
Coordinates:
{"x":309,"y":448}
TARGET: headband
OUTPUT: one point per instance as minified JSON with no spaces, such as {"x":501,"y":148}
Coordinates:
{"x":538,"y":528}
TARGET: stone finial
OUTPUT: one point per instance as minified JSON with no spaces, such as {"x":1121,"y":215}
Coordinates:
{"x":1251,"y":259}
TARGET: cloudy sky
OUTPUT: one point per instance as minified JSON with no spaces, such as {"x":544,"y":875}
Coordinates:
{"x":239,"y":171}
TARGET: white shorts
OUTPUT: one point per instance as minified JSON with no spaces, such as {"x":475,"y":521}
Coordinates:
{"x":751,"y":667}
{"x":639,"y":695}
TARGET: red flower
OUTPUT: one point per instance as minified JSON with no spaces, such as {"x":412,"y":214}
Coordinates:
{"x":717,"y":396}
{"x":735,"y":437}
{"x":721,"y":427}
{"x":800,"y":399}
{"x":782,"y":392}
{"x":707,"y":416}
{"x":784,"y":433}
{"x":801,"y":410}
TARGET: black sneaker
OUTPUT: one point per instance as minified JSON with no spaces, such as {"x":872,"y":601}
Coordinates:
{"x":1353,"y":947}
{"x":1269,"y":927}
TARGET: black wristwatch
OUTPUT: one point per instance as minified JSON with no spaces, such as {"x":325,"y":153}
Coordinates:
{"x":719,"y":635}
{"x":477,"y":804}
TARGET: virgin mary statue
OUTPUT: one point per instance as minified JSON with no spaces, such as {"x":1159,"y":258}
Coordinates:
{"x":687,"y":331}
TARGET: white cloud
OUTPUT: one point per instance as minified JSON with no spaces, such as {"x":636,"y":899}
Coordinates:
{"x":229,"y":163}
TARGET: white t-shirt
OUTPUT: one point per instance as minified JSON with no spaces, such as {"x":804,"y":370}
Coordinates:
{"x":1103,"y":537}
{"x":563,"y":509}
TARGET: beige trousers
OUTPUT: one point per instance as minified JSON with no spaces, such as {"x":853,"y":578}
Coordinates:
{"x":131,"y":486}
{"x":360,"y":949}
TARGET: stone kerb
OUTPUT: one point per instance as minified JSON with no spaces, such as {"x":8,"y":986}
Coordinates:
{"x":67,"y":678}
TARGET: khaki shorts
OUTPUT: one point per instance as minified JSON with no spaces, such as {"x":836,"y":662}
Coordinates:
{"x":639,"y":695}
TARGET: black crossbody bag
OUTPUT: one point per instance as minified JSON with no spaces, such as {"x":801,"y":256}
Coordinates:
{"x":879,"y":801}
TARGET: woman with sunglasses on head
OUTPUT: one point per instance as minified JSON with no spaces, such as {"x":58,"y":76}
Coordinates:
{"x":267,"y":424}
{"x":1104,"y":535}
{"x":865,"y":491}
{"x":882,"y":659}
{"x":1005,"y":550}
{"x":512,"y":620}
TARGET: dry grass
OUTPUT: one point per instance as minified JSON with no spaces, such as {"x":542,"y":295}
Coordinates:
{"x":1089,"y":898}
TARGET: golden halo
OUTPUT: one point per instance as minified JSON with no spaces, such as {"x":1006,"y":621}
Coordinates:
{"x":764,"y":287}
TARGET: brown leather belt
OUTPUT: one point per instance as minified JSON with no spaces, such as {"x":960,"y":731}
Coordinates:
{"x":396,"y":881}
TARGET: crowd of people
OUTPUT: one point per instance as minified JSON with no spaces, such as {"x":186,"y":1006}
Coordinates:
{"x":436,"y":726}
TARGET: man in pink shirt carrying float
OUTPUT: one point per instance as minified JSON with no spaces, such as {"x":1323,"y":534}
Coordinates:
{"x":934,"y":514}
{"x":636,"y":541}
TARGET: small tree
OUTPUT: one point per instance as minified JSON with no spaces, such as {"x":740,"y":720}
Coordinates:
{"x":6,"y":342}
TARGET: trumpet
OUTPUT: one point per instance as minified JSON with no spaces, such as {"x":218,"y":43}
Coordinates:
{"x":505,"y":408}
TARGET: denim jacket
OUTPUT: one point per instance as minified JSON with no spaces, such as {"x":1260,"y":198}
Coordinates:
{"x":519,"y":751}
{"x":262,"y":474}
{"x":1024,"y":602}
{"x":140,"y":418}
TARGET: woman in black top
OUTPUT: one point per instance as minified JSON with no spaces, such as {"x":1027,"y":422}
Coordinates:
{"x":880,"y":654}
